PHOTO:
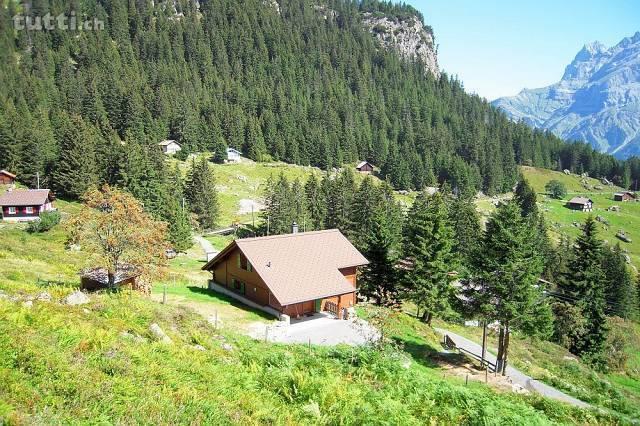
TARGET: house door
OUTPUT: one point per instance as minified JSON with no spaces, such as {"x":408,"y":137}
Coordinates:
{"x":318,"y":305}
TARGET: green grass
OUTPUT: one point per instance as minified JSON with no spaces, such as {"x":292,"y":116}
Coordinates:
{"x":554,"y":365}
{"x":73,"y":365}
{"x":538,"y":178}
{"x":561,"y":219}
{"x":63,"y":365}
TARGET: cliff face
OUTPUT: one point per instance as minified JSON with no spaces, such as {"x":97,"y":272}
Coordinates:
{"x":597,"y":100}
{"x":409,"y":37}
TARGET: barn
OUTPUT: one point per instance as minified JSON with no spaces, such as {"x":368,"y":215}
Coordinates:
{"x":7,"y":178}
{"x":233,"y":155}
{"x":365,"y":167}
{"x":580,"y":203}
{"x":624,"y":196}
{"x":293,"y":274}
{"x":25,"y":205}
{"x":170,"y":147}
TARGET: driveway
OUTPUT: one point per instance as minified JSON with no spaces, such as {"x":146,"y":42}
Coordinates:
{"x":207,"y":247}
{"x":320,"y":329}
{"x":515,"y":375}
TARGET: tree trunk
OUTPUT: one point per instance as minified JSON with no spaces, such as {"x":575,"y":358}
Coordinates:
{"x":505,"y":350}
{"x":111,"y":277}
{"x":429,"y":318}
{"x":500,"y":349}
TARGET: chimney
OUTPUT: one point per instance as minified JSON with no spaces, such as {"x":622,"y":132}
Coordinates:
{"x":294,"y":228}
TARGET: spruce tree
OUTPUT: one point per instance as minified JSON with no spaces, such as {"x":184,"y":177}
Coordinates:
{"x":201,"y":193}
{"x":620,"y":293}
{"x":75,"y":171}
{"x":179,"y":231}
{"x":428,"y":252}
{"x":466,"y":227}
{"x":584,"y":282}
{"x":508,"y":271}
{"x":316,"y":203}
{"x":379,"y":278}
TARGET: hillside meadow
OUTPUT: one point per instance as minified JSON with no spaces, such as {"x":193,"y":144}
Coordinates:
{"x":99,"y":363}
{"x":562,"y":220}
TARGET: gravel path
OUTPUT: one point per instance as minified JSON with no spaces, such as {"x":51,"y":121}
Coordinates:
{"x":516,"y":376}
{"x":206,"y":245}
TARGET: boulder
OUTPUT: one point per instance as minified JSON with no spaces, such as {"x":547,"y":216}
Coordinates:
{"x":159,"y":334}
{"x":43,"y":297}
{"x":227,"y":347}
{"x":199,"y":348}
{"x":566,"y":171}
{"x":76,"y":298}
{"x":27,"y":304}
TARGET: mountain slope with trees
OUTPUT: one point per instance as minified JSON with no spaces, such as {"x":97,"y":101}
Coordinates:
{"x":288,"y":83}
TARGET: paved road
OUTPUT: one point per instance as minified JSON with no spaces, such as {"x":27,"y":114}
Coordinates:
{"x":516,"y":376}
{"x":207,"y":247}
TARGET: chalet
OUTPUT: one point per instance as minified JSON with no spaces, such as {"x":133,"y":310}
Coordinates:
{"x":365,"y":167}
{"x":580,"y":203}
{"x":98,"y":278}
{"x":7,"y":178}
{"x":233,"y":155}
{"x":293,"y":274}
{"x":624,"y":196}
{"x":25,"y":205}
{"x":170,"y":147}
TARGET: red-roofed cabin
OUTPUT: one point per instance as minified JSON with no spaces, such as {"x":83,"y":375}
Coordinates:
{"x":293,"y":274}
{"x":25,"y":205}
{"x":7,"y":178}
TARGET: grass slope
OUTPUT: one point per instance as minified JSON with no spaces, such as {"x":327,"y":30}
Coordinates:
{"x":98,"y":363}
{"x":561,"y":219}
{"x":554,"y":365}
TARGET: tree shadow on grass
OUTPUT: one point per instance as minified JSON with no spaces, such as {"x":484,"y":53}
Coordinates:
{"x":223,"y":298}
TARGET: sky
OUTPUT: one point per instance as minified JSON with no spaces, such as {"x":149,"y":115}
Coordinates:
{"x":498,"y":47}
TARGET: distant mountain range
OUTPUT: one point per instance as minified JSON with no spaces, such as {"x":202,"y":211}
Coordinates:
{"x":597,"y":100}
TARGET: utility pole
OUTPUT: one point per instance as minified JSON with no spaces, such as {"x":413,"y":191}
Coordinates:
{"x":484,"y":341}
{"x":38,"y":179}
{"x":268,"y":224}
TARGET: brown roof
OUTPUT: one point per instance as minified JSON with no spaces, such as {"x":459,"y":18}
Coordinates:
{"x":299,"y":267}
{"x":4,"y":172}
{"x":580,"y":200}
{"x":29,"y":197}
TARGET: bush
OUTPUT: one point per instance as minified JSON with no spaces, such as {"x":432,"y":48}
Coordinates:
{"x":47,"y":221}
{"x":556,"y":188}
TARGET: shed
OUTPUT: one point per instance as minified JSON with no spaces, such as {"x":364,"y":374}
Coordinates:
{"x":233,"y":155}
{"x":7,"y":178}
{"x":98,"y":278}
{"x":170,"y":147}
{"x":624,"y":196}
{"x":25,"y":205}
{"x":365,"y":167}
{"x":581,"y":203}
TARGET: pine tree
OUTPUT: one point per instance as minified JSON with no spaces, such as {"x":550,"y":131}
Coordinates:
{"x":201,"y":193}
{"x":585,"y":283}
{"x":428,"y":250}
{"x":366,"y":202}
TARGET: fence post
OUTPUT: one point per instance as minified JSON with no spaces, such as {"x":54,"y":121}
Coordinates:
{"x":466,"y":380}
{"x":164,"y":294}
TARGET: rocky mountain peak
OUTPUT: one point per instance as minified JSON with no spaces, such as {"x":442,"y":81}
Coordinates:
{"x":597,"y":100}
{"x":407,"y":36}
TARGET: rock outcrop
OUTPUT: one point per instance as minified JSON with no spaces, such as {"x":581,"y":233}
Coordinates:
{"x":597,"y":100}
{"x":408,"y":36}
